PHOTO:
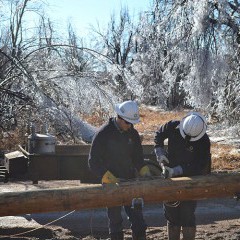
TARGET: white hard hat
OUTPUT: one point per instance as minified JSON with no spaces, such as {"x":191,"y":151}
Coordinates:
{"x":194,"y":125}
{"x":128,"y":110}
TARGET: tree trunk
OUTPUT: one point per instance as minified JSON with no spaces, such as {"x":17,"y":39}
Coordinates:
{"x":98,"y":196}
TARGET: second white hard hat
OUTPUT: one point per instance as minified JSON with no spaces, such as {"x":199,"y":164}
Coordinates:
{"x":194,"y":125}
{"x":128,"y":110}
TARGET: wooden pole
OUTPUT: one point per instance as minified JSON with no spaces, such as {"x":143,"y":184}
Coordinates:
{"x":98,"y":196}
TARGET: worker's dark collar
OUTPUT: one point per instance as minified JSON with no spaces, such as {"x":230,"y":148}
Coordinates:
{"x":116,"y":125}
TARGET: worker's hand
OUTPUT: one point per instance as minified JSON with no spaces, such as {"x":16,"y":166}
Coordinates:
{"x":161,"y":155}
{"x":145,"y":172}
{"x":167,"y":172}
{"x":108,"y":177}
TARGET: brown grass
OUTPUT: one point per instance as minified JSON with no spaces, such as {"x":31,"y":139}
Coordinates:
{"x":225,"y":157}
{"x":151,"y":120}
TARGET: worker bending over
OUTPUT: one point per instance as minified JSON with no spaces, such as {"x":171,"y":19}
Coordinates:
{"x":188,"y":154}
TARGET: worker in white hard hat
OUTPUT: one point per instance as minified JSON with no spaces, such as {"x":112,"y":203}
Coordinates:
{"x":116,"y":154}
{"x":188,"y":154}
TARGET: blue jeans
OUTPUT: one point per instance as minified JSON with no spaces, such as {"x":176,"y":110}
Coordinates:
{"x":135,"y":217}
{"x":183,"y":215}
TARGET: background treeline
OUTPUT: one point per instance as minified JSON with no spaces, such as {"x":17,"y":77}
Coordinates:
{"x":178,"y":54}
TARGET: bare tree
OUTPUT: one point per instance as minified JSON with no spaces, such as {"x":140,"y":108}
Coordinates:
{"x":188,"y":54}
{"x":117,"y":44}
{"x":35,"y":75}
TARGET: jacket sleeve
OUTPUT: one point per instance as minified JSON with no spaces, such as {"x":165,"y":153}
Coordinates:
{"x":95,"y":160}
{"x":163,"y":133}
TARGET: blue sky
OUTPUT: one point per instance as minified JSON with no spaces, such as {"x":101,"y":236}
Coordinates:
{"x":82,"y":13}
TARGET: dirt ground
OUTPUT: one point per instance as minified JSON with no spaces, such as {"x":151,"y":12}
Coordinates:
{"x":216,"y":219}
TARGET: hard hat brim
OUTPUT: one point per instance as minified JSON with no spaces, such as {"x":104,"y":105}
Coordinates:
{"x":193,"y":139}
{"x":118,"y":111}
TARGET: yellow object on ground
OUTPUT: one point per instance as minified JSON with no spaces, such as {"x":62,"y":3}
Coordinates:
{"x":108,"y":177}
{"x":145,"y":171}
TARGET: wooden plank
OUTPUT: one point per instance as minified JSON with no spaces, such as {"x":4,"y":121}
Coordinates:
{"x":97,"y":196}
{"x":76,"y":150}
{"x":84,"y":149}
{"x":72,"y":149}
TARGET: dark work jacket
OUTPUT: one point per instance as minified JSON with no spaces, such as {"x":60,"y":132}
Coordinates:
{"x":193,"y":157}
{"x":119,"y":152}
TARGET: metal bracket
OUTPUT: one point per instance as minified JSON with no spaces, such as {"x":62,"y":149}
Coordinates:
{"x":137,"y":203}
